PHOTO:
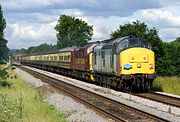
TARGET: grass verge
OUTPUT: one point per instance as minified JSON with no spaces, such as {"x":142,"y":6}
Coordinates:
{"x":22,"y":103}
{"x":167,"y":84}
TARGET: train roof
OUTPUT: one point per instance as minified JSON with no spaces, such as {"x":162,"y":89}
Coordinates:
{"x":85,"y":45}
{"x":109,"y":43}
{"x":115,"y":40}
{"x":68,"y":49}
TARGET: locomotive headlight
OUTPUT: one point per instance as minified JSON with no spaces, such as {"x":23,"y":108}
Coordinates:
{"x":150,"y":66}
{"x":138,"y":65}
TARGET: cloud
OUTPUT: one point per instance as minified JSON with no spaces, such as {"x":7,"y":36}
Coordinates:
{"x":89,"y":7}
{"x":167,"y":24}
{"x":103,"y":26}
{"x":30,"y":18}
{"x":161,"y":18}
{"x":169,"y":2}
{"x":169,"y":34}
{"x":30,"y":35}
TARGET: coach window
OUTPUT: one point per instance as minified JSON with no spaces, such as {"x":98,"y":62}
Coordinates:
{"x":60,"y":58}
{"x":69,"y":57}
{"x":66,"y":58}
{"x":55,"y":58}
{"x":51,"y":58}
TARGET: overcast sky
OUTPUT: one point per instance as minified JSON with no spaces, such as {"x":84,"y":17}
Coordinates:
{"x":32,"y":22}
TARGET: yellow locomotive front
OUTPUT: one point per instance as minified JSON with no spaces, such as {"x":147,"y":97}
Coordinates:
{"x":137,"y":60}
{"x":137,"y":64}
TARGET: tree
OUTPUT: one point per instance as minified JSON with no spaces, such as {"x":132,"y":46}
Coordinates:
{"x":140,"y":29}
{"x":72,"y":31}
{"x":37,"y":49}
{"x":3,"y":41}
{"x":177,"y":40}
{"x":171,"y":60}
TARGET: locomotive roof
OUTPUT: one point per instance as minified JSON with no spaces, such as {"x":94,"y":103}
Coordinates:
{"x":115,"y":40}
{"x":109,"y":42}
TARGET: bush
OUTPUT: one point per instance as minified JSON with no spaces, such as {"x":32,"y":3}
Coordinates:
{"x":3,"y":73}
{"x":3,"y":78}
{"x":4,"y":83}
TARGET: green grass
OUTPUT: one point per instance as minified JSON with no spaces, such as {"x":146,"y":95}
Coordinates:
{"x":22,"y":103}
{"x":167,"y":84}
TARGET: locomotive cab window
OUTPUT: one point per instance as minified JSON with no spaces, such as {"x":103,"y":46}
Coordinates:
{"x":123,"y":44}
{"x":135,"y":42}
{"x":145,"y":44}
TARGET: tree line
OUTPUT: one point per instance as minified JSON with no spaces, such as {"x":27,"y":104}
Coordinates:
{"x":72,"y":31}
{"x":37,"y":49}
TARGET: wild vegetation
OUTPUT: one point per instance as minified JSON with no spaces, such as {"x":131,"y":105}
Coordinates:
{"x":3,"y":77}
{"x":167,"y":84}
{"x":19,"y":102}
{"x":3,"y":41}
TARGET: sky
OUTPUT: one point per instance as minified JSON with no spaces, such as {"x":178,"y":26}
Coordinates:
{"x":32,"y":22}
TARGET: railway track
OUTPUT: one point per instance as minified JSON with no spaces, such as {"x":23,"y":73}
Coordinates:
{"x":105,"y":106}
{"x":169,"y":100}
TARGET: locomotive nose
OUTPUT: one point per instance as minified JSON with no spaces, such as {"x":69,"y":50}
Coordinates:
{"x":137,"y":61}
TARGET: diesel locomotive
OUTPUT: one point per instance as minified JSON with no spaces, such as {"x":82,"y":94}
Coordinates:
{"x":126,"y":63}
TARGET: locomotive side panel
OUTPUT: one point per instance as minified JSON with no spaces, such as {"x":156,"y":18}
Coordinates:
{"x":81,"y":59}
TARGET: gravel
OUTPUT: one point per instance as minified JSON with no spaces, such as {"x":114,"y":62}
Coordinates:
{"x":162,"y":110}
{"x":73,"y":110}
{"x":30,"y":79}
